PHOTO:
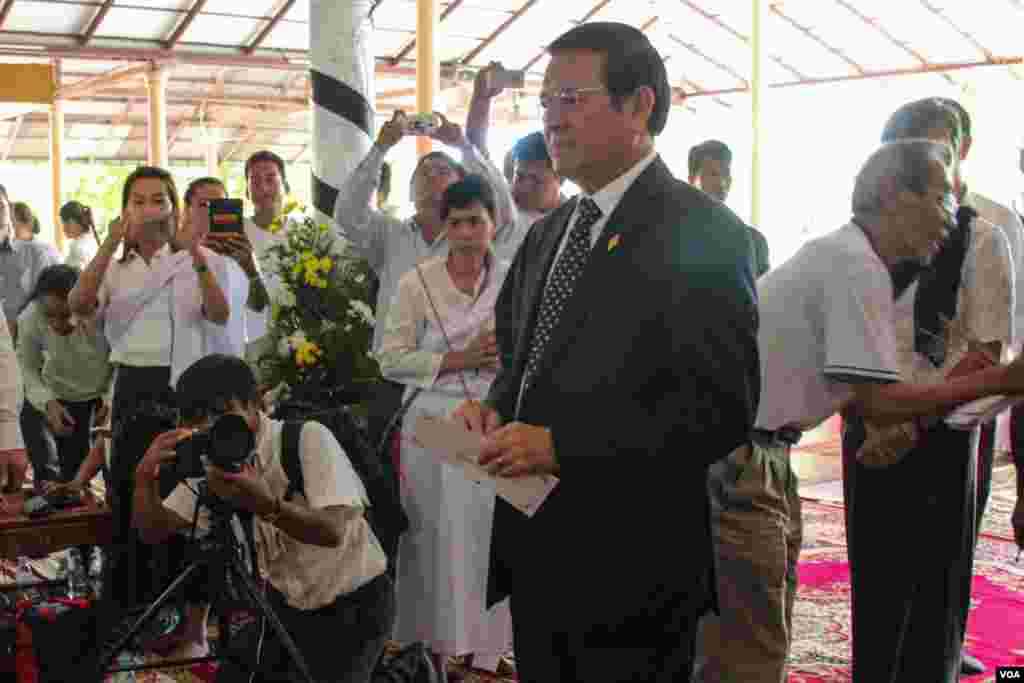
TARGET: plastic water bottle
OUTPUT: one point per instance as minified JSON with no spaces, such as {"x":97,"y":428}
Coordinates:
{"x":23,"y":573}
{"x":125,"y":659}
{"x":77,"y":575}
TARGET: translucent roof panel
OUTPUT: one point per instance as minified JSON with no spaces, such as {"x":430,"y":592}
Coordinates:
{"x":395,"y":15}
{"x":473,"y":22}
{"x":249,"y":8}
{"x":998,"y":28}
{"x":288,"y":35}
{"x":221,"y":30}
{"x":128,"y":22}
{"x":48,"y":17}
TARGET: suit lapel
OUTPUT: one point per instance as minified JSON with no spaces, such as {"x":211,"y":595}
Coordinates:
{"x":552,"y":233}
{"x":627,"y":224}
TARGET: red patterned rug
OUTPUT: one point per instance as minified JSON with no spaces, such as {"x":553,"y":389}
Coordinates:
{"x":821,"y":642}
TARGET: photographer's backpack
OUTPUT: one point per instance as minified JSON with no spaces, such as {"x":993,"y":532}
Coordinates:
{"x":385,"y":515}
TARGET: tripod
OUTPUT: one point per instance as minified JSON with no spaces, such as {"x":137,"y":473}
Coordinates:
{"x":218,"y":551}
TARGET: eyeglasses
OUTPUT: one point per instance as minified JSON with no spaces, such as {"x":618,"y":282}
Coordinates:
{"x":565,"y":98}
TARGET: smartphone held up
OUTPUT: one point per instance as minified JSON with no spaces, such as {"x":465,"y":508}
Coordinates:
{"x":226,"y":216}
{"x":422,"y":124}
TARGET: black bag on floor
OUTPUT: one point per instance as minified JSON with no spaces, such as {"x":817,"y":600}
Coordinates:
{"x":411,"y":664}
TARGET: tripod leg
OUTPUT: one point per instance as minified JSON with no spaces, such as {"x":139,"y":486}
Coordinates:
{"x":144,"y":620}
{"x":275,"y":622}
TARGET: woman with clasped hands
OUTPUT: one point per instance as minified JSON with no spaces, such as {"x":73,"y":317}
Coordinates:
{"x":439,"y":342}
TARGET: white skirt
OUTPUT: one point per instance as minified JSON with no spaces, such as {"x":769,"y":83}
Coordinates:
{"x":444,"y":557}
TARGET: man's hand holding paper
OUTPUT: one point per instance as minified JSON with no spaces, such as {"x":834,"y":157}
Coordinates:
{"x":517,"y":450}
{"x":451,"y":442}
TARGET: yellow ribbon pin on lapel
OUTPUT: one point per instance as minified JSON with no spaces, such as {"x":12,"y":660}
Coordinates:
{"x":613,"y":242}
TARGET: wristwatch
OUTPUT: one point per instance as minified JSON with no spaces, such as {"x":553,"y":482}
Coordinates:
{"x":271,"y":517}
{"x":201,"y":268}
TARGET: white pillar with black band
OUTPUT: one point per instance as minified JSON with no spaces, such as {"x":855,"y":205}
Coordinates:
{"x":341,"y":73}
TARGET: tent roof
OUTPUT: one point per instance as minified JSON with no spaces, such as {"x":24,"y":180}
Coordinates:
{"x":239,"y":70}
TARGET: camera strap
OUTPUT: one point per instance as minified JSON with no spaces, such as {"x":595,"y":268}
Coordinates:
{"x":290,"y":461}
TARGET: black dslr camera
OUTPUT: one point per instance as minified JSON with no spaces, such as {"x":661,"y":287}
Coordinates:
{"x":227,"y":444}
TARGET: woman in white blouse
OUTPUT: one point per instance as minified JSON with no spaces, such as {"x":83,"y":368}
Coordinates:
{"x":80,"y":230}
{"x":439,"y":341}
{"x":154,"y":303}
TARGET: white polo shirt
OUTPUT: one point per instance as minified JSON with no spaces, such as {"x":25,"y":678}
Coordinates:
{"x":256,"y":324}
{"x":826,"y":320}
{"x":308,"y":576}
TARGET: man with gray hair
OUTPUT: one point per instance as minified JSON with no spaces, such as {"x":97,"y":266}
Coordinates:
{"x":910,"y":610}
{"x":827,"y":344}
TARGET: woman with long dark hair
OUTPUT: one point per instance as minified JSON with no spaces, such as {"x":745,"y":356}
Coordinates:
{"x":155,"y":303}
{"x":80,"y":230}
{"x":65,"y":366}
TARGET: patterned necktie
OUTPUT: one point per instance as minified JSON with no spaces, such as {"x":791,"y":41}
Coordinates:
{"x":563,"y":279}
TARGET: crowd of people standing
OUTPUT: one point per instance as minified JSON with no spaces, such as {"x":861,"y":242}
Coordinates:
{"x":633,"y":341}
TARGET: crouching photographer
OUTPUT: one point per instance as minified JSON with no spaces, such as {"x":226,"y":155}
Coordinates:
{"x":324,"y":569}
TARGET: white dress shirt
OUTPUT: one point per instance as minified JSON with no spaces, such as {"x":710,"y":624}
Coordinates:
{"x":607,"y":199}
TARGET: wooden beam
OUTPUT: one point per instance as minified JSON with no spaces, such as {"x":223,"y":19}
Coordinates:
{"x":586,"y":17}
{"x":179,"y":30}
{"x":721,"y":66}
{"x":93,"y":84}
{"x":409,"y":46}
{"x":498,"y":31}
{"x":265,"y":31}
{"x":774,"y":9}
{"x":880,"y":73}
{"x":95,"y":22}
{"x":12,"y":136}
{"x":717,"y":21}
{"x":246,"y":134}
{"x":975,"y":43}
{"x":139,"y":119}
{"x":5,"y":11}
{"x":874,"y":24}
{"x":128,"y":138}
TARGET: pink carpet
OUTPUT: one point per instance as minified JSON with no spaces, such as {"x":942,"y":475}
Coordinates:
{"x":821,"y":641}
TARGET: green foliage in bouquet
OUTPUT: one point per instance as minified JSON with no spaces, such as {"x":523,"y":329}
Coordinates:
{"x":322,"y":323}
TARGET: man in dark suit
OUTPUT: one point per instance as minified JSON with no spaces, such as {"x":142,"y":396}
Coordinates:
{"x":710,"y":169}
{"x":628,"y":333}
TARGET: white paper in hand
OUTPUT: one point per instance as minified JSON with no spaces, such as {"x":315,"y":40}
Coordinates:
{"x":453,"y":444}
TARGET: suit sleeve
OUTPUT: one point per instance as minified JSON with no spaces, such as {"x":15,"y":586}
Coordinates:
{"x":706,"y":365}
{"x":508,"y":316}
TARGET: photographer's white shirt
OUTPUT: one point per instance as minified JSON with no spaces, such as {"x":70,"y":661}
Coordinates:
{"x":308,"y":576}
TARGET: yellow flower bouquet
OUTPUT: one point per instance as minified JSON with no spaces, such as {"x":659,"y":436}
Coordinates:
{"x":322,"y":322}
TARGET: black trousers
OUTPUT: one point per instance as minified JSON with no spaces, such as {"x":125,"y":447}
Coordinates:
{"x":986,"y":460}
{"x":135,"y":572}
{"x":341,"y":642}
{"x":382,"y":406}
{"x":911,"y":537}
{"x":661,"y":651}
{"x":55,"y":457}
